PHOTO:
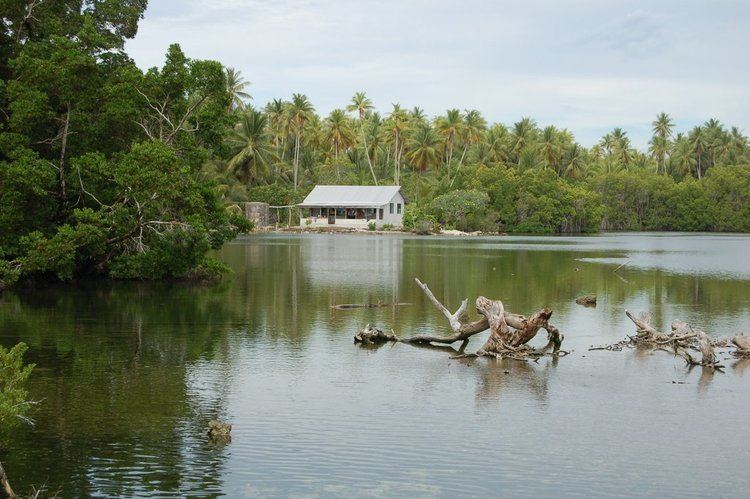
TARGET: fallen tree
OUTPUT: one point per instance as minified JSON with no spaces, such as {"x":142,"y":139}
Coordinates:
{"x":509,"y":333}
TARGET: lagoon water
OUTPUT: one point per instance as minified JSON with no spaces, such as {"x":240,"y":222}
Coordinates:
{"x":129,"y":374}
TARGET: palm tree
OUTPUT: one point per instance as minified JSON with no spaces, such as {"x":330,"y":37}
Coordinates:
{"x":418,"y":115}
{"x":251,"y":147}
{"x":659,"y":147}
{"x":450,"y":127}
{"x":683,"y":159}
{"x":278,"y":123}
{"x":738,"y":145}
{"x":574,"y":162}
{"x":662,"y":126}
{"x":361,"y":104}
{"x":714,"y":137}
{"x":396,"y":125}
{"x":550,"y":148}
{"x":338,"y":132}
{"x":474,"y":127}
{"x":235,"y":87}
{"x":620,"y":145}
{"x":498,"y":138}
{"x":339,"y":135}
{"x":299,"y":111}
{"x":699,"y":142}
{"x":423,"y":150}
{"x":662,"y":131}
{"x":523,"y":133}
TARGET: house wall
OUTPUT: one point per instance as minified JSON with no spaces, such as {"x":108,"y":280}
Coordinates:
{"x":395,"y":218}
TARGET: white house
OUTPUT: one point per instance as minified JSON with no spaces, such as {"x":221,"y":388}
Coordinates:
{"x":353,"y":206}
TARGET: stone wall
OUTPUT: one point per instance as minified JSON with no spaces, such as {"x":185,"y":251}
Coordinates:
{"x":258,"y":213}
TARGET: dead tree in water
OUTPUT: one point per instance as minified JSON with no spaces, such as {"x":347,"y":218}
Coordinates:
{"x":680,"y":340}
{"x":509,"y":332}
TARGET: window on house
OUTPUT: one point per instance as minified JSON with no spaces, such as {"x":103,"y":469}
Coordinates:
{"x":391,"y":208}
{"x":398,"y":208}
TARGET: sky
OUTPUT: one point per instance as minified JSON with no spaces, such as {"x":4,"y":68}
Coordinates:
{"x":584,"y":65}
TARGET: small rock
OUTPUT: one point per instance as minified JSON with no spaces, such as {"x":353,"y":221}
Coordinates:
{"x":587,"y":300}
{"x":218,"y":429}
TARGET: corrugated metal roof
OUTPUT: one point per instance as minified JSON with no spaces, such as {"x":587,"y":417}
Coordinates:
{"x":353,"y":196}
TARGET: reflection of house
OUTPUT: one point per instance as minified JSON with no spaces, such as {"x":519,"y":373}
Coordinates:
{"x":353,"y":206}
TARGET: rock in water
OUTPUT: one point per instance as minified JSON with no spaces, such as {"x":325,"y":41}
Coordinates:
{"x":587,"y":300}
{"x":219,"y":429}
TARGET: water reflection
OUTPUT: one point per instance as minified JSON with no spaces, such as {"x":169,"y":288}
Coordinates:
{"x":129,"y":374}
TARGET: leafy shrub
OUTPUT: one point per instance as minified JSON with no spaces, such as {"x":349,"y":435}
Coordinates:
{"x":13,"y":376}
{"x":371,"y":226}
{"x":416,"y":219}
{"x":466,"y":210}
{"x":388,"y":227}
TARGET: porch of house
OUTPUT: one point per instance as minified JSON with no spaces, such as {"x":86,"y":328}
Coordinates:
{"x":341,"y":216}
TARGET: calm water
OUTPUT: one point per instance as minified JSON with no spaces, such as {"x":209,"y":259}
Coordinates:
{"x":129,"y":374}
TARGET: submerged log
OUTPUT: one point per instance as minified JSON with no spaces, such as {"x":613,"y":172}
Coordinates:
{"x":509,"y":332}
{"x":350,"y":306}
{"x":587,"y":300}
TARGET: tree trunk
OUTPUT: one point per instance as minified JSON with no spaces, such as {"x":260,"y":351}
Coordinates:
{"x":63,"y":147}
{"x":367,"y":155}
{"x":296,"y":159}
{"x":460,"y":162}
{"x":4,"y":484}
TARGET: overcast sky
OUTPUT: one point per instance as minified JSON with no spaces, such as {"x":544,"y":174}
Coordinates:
{"x":586,"y":65}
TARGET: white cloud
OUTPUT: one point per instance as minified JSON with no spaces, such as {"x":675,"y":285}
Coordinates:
{"x":586,"y":65}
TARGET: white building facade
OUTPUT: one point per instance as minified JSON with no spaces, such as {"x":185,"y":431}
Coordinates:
{"x":354,"y":206}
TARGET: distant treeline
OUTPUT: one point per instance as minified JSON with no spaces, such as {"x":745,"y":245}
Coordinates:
{"x":459,"y":171}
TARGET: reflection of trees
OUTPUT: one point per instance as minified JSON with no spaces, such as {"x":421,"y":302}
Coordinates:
{"x":130,"y":373}
{"x":112,"y":377}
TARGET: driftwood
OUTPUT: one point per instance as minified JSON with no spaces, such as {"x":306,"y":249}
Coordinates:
{"x":5,"y":487}
{"x":742,"y":344}
{"x":682,"y":338}
{"x":587,"y":300}
{"x":509,"y":332}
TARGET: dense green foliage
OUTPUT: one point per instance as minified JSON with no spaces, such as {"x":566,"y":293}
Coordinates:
{"x":109,"y":170}
{"x":13,"y":394}
{"x":531,"y":179}
{"x":99,"y":161}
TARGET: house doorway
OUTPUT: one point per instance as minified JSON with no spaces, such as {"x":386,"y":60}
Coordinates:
{"x":331,"y":216}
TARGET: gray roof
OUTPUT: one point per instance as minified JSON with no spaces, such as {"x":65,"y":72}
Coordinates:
{"x":351,"y":196}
